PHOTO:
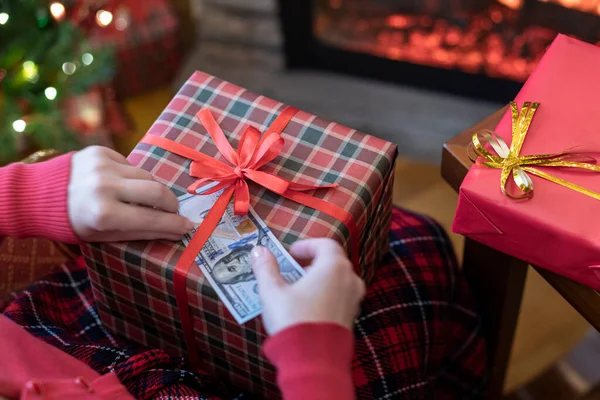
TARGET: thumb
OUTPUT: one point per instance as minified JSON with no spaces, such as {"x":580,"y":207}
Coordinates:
{"x":266,"y":270}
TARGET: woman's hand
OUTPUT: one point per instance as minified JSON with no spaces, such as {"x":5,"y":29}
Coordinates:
{"x":110,"y":200}
{"x":329,"y":292}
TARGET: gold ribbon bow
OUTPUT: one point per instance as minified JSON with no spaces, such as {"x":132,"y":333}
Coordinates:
{"x":510,"y":162}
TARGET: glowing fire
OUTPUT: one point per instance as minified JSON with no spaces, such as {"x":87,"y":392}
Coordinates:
{"x":514,"y":4}
{"x":590,"y":6}
{"x":482,"y":43}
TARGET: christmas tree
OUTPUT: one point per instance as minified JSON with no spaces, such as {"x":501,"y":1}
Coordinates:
{"x":45,"y":60}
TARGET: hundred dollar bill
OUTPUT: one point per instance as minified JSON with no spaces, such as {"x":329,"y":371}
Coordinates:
{"x":225,"y":258}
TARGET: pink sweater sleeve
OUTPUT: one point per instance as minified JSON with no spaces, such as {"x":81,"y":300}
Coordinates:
{"x":313,"y":361}
{"x":33,"y":200}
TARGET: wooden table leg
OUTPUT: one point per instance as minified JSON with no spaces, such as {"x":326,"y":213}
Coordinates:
{"x":497,"y":282}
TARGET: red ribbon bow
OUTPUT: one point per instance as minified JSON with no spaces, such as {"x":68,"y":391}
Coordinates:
{"x":253,"y":152}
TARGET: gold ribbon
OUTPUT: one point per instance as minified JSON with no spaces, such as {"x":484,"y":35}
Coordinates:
{"x":511,"y":163}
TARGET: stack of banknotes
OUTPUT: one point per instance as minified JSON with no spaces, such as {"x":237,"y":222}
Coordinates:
{"x":225,"y":258}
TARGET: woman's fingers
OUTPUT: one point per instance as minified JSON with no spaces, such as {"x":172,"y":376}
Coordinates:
{"x":313,"y":250}
{"x":100,"y":152}
{"x":119,"y":236}
{"x":147,"y":193}
{"x":131,"y":172}
{"x":266,"y":271}
{"x":139,"y":218}
{"x":122,"y":217}
{"x":109,"y":199}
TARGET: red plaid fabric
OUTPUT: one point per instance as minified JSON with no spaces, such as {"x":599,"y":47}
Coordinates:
{"x":147,"y":45}
{"x":417,"y":337}
{"x":133,"y":282}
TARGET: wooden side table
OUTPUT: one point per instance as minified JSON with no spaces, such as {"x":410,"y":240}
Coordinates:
{"x":497,"y":279}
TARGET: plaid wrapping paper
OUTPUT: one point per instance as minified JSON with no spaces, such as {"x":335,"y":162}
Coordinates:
{"x":417,"y":336}
{"x":133,"y":282}
{"x":148,"y":50}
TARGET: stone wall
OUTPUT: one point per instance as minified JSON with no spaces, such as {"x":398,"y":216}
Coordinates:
{"x":237,"y":36}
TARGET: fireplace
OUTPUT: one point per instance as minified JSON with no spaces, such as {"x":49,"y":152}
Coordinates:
{"x":477,"y":48}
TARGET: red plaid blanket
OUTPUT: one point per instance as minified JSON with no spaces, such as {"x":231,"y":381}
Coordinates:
{"x":417,"y":336}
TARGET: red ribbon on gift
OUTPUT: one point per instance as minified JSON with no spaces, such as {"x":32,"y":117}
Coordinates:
{"x":253,"y":152}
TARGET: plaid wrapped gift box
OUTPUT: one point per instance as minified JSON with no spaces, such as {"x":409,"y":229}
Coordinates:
{"x":145,"y":37}
{"x":133,"y":282}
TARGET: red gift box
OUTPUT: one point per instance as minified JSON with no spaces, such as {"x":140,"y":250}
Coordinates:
{"x":135,"y":283}
{"x":554,"y":228}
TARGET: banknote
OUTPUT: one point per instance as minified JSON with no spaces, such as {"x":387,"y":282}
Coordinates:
{"x":225,"y":258}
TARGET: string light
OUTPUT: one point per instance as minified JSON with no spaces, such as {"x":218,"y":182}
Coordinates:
{"x":121,"y":23}
{"x":104,"y":18}
{"x":69,"y":68}
{"x":57,"y":10}
{"x":3,"y":18}
{"x":50,"y":93}
{"x":87,"y":58}
{"x":122,"y":18}
{"x":19,"y":125}
{"x":30,"y":71}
